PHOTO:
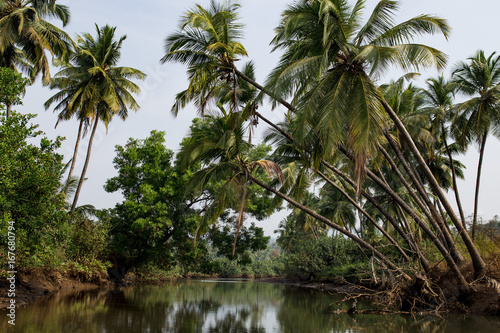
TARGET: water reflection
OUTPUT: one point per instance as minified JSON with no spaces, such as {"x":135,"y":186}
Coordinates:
{"x":221,"y":306}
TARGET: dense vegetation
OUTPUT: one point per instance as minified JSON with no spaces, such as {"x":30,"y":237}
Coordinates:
{"x":381,"y":157}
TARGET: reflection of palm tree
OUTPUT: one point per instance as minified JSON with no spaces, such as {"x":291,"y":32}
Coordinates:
{"x":479,"y":116}
{"x":94,"y":88}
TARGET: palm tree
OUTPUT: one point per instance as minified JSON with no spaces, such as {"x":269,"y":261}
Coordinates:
{"x":25,"y":36}
{"x":208,"y":43}
{"x":218,"y":144}
{"x":69,"y":81}
{"x":328,"y":63}
{"x":94,"y":88}
{"x":439,"y":96}
{"x":478,"y":117}
{"x":331,"y":59}
{"x":220,"y":147}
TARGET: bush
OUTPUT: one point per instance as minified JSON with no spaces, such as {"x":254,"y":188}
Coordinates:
{"x":29,"y":192}
{"x":227,"y":268}
{"x":327,"y":258}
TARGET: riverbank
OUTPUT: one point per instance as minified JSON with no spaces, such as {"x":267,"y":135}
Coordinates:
{"x":37,"y":283}
{"x":33,"y":284}
{"x":480,"y":299}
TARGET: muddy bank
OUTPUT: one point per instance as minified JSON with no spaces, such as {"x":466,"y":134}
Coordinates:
{"x":35,"y":283}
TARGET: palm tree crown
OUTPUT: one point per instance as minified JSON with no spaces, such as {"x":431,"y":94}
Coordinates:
{"x":208,"y":43}
{"x":25,"y":36}
{"x":331,"y":60}
{"x":93,"y":87}
{"x":479,"y":116}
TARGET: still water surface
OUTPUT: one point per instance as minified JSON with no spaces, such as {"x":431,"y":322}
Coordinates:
{"x":218,"y":306}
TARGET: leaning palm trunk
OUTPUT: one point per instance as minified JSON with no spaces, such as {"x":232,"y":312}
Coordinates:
{"x":323,"y":219}
{"x":431,"y":212}
{"x":406,"y":236}
{"x":478,"y":182}
{"x":444,"y":251}
{"x":454,"y":178}
{"x":477,"y":261}
{"x":85,"y":166}
{"x":365,"y":213}
{"x":75,"y":153}
{"x":411,"y":191}
{"x":432,"y":236}
{"x":261,"y":88}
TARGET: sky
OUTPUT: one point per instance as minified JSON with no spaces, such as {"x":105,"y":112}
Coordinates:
{"x":147,"y":23}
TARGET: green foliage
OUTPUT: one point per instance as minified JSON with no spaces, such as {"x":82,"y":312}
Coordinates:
{"x":249,"y":239}
{"x":88,"y":239}
{"x":326,"y":258}
{"x":12,"y":87}
{"x":25,"y":36}
{"x":225,"y":267}
{"x":157,"y":218}
{"x":29,"y":183}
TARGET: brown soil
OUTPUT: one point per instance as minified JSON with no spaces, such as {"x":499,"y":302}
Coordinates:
{"x":36,"y":283}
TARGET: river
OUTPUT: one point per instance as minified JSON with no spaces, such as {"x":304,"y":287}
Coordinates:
{"x":219,"y":306}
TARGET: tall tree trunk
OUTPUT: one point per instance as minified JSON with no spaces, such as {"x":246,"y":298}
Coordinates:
{"x":241,"y":214}
{"x":412,"y":193}
{"x":75,"y":153}
{"x":477,"y":260}
{"x":411,"y":236}
{"x":85,"y":166}
{"x":478,"y":182}
{"x":454,"y":178}
{"x":335,"y":226}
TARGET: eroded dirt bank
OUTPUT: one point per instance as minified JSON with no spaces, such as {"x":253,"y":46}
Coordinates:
{"x":33,"y":284}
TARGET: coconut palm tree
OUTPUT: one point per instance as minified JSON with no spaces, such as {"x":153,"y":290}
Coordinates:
{"x":94,"y":88}
{"x":339,"y":57}
{"x":328,"y":42}
{"x":25,"y":35}
{"x":69,"y":102}
{"x":218,"y":143}
{"x":479,"y":116}
{"x":208,"y":43}
{"x":220,"y":147}
{"x":439,"y":95}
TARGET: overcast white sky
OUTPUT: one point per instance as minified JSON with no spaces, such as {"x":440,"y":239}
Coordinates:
{"x":147,"y":23}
